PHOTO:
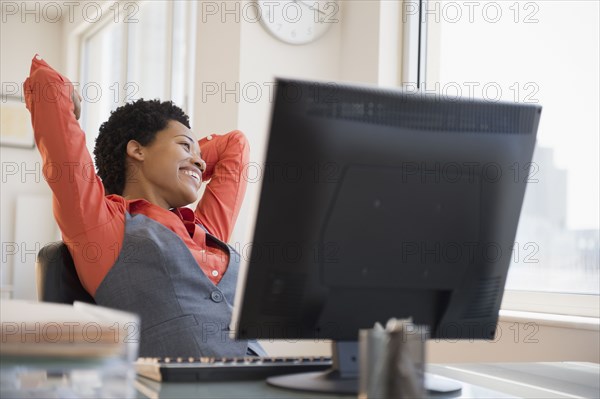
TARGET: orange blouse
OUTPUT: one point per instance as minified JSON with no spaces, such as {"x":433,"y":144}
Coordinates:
{"x":92,"y":223}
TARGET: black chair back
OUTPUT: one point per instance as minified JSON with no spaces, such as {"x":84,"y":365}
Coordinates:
{"x":57,"y":279}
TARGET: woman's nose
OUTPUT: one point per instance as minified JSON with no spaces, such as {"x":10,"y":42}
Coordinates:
{"x":199,"y":162}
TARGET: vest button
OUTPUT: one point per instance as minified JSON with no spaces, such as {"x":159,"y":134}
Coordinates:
{"x":216,"y":296}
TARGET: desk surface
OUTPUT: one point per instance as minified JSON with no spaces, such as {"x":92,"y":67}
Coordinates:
{"x":489,"y":380}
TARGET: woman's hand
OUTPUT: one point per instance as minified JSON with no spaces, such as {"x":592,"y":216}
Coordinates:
{"x":76,"y":97}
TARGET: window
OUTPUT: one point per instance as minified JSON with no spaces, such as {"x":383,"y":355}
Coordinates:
{"x":148,"y":53}
{"x":101,"y":75}
{"x":149,"y":50}
{"x":542,"y":52}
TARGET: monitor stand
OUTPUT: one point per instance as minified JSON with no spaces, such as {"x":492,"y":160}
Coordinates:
{"x":342,"y":377}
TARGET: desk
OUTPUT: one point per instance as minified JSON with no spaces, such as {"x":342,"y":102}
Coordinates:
{"x":490,"y":380}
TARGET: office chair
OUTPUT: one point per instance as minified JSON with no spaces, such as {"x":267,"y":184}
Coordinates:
{"x":57,"y":279}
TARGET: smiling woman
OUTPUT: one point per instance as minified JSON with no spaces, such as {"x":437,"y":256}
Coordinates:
{"x":168,"y":170}
{"x":135,"y":245}
{"x":158,"y":144}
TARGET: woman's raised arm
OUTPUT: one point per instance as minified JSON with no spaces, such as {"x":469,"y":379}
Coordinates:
{"x":92,"y":226}
{"x":226,"y":156}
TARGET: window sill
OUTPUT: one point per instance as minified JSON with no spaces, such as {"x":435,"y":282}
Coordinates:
{"x":552,"y":304}
{"x":551,"y":320}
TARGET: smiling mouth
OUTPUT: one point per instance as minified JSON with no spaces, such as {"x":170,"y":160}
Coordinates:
{"x":195,"y":176}
{"x":191,"y":173}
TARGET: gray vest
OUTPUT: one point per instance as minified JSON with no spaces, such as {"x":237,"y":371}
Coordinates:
{"x":182,"y":312}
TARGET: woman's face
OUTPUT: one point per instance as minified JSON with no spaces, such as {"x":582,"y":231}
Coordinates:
{"x":169,"y":170}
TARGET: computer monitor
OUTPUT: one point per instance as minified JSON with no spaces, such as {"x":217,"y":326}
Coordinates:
{"x":378,"y":204}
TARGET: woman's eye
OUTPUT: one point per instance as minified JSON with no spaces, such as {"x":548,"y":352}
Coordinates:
{"x":187,"y":146}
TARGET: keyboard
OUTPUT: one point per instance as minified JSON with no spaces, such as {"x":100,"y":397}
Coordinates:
{"x":211,"y":369}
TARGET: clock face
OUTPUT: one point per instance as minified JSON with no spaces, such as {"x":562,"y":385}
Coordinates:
{"x":298,"y":21}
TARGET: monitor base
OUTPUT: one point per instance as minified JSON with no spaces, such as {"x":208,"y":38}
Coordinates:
{"x":319,"y":381}
{"x":331,"y":382}
{"x":342,"y":377}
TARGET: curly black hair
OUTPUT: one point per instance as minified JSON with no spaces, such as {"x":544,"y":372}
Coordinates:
{"x":140,"y":121}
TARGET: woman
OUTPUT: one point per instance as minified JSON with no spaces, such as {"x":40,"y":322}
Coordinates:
{"x":134,"y":244}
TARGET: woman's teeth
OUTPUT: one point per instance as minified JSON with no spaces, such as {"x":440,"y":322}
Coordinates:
{"x":192,"y":173}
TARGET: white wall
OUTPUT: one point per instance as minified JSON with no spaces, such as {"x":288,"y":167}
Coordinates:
{"x":21,"y":168}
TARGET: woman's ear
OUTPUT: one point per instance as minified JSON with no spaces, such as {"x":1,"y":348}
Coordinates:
{"x":135,"y":150}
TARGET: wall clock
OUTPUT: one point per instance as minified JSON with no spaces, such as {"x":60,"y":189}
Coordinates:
{"x":298,"y":21}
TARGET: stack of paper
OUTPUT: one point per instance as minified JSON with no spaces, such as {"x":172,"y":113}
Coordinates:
{"x":79,"y":330}
{"x":53,"y":351}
